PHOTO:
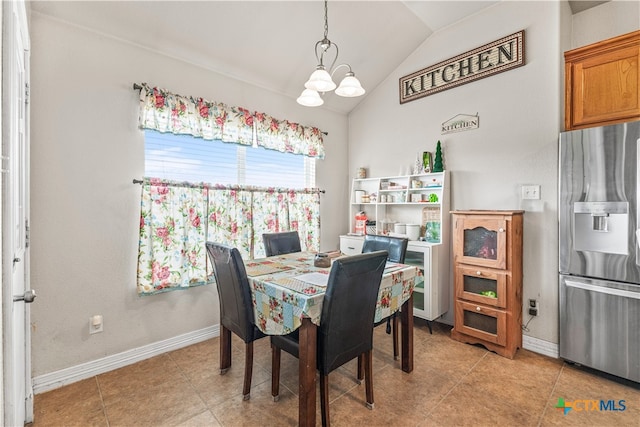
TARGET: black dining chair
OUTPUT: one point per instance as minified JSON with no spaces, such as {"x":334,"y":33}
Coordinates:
{"x":236,"y":310}
{"x":345,"y":330}
{"x":397,"y":248}
{"x":284,"y":242}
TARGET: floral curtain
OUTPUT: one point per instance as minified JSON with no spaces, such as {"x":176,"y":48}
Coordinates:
{"x":177,"y":219}
{"x":171,"y":249}
{"x":164,"y":111}
{"x":230,"y":219}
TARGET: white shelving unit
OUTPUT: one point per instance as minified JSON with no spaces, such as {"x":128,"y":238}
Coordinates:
{"x":410,"y":199}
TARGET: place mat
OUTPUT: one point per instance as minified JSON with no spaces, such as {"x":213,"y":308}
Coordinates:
{"x":392,"y":266}
{"x":315,"y":278}
{"x":297,"y":285}
{"x":265,"y":267}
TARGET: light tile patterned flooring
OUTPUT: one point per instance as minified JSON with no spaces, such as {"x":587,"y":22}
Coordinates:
{"x":453,"y":384}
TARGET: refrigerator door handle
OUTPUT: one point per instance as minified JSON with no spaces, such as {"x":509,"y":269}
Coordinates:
{"x":603,"y":290}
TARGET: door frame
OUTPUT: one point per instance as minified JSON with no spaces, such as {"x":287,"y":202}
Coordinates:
{"x":15,"y":35}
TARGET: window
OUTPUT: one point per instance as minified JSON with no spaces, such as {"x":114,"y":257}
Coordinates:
{"x":186,"y":158}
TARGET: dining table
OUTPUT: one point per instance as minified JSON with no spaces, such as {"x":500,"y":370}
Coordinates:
{"x":287,"y":293}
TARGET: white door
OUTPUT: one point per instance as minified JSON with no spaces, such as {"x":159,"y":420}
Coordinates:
{"x":18,"y":392}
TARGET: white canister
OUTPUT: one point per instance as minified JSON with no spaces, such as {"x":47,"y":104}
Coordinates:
{"x":413,"y":231}
{"x":400,"y":228}
{"x":359,"y":194}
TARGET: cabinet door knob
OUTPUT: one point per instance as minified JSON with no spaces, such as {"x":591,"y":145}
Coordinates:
{"x":478,"y":308}
{"x":501,"y":230}
{"x":479,"y":273}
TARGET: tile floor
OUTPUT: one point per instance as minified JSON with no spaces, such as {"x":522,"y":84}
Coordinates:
{"x":453,"y":384}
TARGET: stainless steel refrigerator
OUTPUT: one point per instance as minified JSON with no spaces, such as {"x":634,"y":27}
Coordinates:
{"x":599,"y":234}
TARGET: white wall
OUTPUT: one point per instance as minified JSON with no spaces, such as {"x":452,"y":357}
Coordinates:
{"x":521,"y":113}
{"x":607,"y":20}
{"x":520,"y":116}
{"x":86,"y":149}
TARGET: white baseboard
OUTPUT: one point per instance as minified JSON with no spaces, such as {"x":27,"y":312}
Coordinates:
{"x":73,"y":374}
{"x":540,"y":346}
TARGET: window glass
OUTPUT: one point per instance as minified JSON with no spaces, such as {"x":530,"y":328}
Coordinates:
{"x":185,"y":158}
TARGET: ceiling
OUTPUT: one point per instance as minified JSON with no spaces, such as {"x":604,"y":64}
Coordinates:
{"x":270,"y":44}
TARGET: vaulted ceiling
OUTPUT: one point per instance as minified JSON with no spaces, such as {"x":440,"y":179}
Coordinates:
{"x":270,"y":44}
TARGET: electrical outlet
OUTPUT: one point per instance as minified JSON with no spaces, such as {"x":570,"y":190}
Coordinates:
{"x":96,"y":324}
{"x":533,"y":307}
{"x":531,"y":192}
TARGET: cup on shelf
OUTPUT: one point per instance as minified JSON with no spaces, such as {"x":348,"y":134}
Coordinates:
{"x":413,"y":231}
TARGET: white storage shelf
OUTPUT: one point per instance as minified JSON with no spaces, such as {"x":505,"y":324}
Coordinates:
{"x":388,"y":195}
{"x":431,"y":298}
{"x":431,"y":292}
{"x":401,"y":189}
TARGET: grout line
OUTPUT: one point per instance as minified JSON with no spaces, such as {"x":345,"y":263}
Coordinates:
{"x":186,"y":377}
{"x":104,"y":407}
{"x":453,"y":387}
{"x":553,"y":389}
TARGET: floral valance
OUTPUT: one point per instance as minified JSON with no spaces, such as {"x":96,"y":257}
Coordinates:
{"x":164,"y":111}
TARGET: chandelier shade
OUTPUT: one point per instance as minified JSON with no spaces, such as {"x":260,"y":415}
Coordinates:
{"x":350,"y":86}
{"x":321,"y":80}
{"x":310,"y":98}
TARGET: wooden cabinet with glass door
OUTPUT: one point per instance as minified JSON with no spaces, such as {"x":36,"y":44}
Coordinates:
{"x":487,"y":249}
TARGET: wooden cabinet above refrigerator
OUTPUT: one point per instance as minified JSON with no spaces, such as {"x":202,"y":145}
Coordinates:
{"x":602,"y":82}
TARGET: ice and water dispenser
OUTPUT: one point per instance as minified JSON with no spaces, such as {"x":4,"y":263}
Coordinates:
{"x":601,"y":227}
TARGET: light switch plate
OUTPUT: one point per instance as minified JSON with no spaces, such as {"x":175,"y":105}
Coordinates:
{"x":531,"y":192}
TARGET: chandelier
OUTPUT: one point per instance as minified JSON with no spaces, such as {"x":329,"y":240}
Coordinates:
{"x":321,"y":80}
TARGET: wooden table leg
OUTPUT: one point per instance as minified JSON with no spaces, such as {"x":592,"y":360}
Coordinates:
{"x":307,"y":360}
{"x":225,"y":349}
{"x":406,"y":319}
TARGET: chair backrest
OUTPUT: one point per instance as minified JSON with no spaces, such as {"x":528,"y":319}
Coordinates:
{"x":236,"y":311}
{"x":349,"y":308}
{"x":396,"y":246}
{"x":284,"y":242}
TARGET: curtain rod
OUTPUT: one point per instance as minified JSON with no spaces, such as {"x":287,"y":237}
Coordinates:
{"x":136,"y":86}
{"x":229,"y":187}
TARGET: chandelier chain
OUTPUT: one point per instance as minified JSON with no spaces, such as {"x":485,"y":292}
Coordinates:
{"x":326,"y":19}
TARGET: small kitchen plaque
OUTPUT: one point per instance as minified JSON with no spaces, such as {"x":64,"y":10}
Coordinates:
{"x":460,"y":123}
{"x":495,"y":57}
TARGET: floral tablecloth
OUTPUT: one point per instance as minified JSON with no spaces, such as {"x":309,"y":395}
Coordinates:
{"x":281,"y":299}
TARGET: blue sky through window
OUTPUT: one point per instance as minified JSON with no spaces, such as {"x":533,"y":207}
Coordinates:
{"x":186,"y":158}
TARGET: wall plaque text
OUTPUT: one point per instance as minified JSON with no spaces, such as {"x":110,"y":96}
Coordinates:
{"x":484,"y":61}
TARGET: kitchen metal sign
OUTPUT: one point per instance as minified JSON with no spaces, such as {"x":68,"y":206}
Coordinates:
{"x":460,"y":123}
{"x":484,"y":61}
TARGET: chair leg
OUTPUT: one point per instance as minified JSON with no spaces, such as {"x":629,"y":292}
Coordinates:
{"x":368,"y":377}
{"x":324,"y":399}
{"x":395,"y":337}
{"x":360,"y":369}
{"x":225,"y":350}
{"x":275,"y":373}
{"x":429,"y":325}
{"x":248,"y":371}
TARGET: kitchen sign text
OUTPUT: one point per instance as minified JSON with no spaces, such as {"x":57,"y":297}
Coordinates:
{"x":492,"y":58}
